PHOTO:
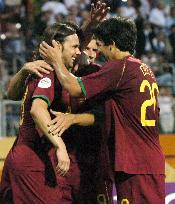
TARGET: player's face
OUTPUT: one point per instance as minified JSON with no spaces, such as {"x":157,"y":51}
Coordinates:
{"x":91,"y":51}
{"x":105,"y":50}
{"x":70,"y":50}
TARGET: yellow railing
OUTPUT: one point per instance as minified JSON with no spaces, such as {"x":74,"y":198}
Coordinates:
{"x":167,"y":143}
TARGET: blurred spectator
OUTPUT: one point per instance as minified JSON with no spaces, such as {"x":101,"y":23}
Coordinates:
{"x":155,"y":61}
{"x":149,"y":35}
{"x":43,"y":19}
{"x":12,"y":117}
{"x":69,"y":3}
{"x":150,"y":58}
{"x":145,"y":8}
{"x":171,"y":18}
{"x":141,"y":39}
{"x":166,"y":77}
{"x":155,"y":21}
{"x":4,"y":78}
{"x":73,"y":15}
{"x":2,"y":5}
{"x":157,"y":15}
{"x":84,"y":14}
{"x":127,"y":10}
{"x":166,"y":110}
{"x":11,"y":12}
{"x":14,"y":42}
{"x":13,"y":3}
{"x":83,"y":4}
{"x":162,"y":45}
{"x":172,"y":40}
{"x":114,"y":5}
{"x":14,"y":47}
{"x":55,"y":7}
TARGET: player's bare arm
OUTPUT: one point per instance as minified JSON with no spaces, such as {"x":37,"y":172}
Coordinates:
{"x":97,"y":14}
{"x":42,"y":117}
{"x":17,"y":83}
{"x":63,"y":121}
{"x":53,"y":55}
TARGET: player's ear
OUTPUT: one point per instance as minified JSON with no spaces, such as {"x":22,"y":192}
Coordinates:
{"x":112,"y":46}
{"x":56,"y":44}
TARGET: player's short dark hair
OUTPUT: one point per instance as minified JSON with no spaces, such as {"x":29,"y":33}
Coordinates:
{"x":120,"y":30}
{"x":78,"y":30}
{"x":58,"y":32}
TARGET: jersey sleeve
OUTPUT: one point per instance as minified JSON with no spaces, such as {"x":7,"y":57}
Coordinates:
{"x":107,"y":79}
{"x":45,"y":89}
{"x":99,"y":115}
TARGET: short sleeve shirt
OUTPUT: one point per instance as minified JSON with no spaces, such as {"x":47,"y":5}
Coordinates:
{"x":43,"y":88}
{"x":134,"y":107}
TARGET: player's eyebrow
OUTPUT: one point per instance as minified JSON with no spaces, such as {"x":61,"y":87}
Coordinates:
{"x":95,"y":49}
{"x":98,"y":43}
{"x":76,"y":45}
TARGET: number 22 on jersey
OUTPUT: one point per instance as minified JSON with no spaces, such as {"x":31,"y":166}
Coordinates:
{"x":147,"y":86}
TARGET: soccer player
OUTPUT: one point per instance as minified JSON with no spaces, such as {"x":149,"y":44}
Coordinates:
{"x":91,"y":51}
{"x":73,"y":177}
{"x":91,"y":151}
{"x":29,"y":174}
{"x":96,"y":184}
{"x":133,"y":111}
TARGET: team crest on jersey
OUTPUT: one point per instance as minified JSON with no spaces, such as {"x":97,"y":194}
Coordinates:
{"x":44,"y":83}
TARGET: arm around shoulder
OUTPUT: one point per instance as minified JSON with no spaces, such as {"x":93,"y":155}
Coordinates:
{"x":17,"y":86}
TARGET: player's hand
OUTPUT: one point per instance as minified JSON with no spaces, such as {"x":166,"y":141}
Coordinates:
{"x":83,"y":59}
{"x":37,"y":68}
{"x":60,"y":123}
{"x":51,"y":54}
{"x":63,"y":161}
{"x":98,"y":12}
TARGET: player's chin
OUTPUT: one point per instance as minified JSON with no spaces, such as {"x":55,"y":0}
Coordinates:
{"x":70,"y":65}
{"x":91,"y":61}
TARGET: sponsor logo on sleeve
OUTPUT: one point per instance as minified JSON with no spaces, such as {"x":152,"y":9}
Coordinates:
{"x":44,"y":83}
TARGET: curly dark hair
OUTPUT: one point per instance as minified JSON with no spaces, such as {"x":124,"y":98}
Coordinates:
{"x":120,"y":30}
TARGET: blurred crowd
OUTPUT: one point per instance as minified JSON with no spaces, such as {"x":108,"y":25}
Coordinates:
{"x":22,"y":22}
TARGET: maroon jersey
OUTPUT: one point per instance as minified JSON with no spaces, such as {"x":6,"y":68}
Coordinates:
{"x":133,"y":105}
{"x":43,"y":88}
{"x":32,"y":158}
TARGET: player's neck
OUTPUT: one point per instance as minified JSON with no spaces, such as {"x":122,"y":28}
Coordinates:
{"x":121,"y":55}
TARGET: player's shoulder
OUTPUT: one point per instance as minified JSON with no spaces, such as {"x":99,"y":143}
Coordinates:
{"x":95,"y":66}
{"x":88,"y":69}
{"x":50,"y":75}
{"x":135,"y":64}
{"x":113,"y":64}
{"x":132,"y":60}
{"x":45,"y":81}
{"x":141,"y":69}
